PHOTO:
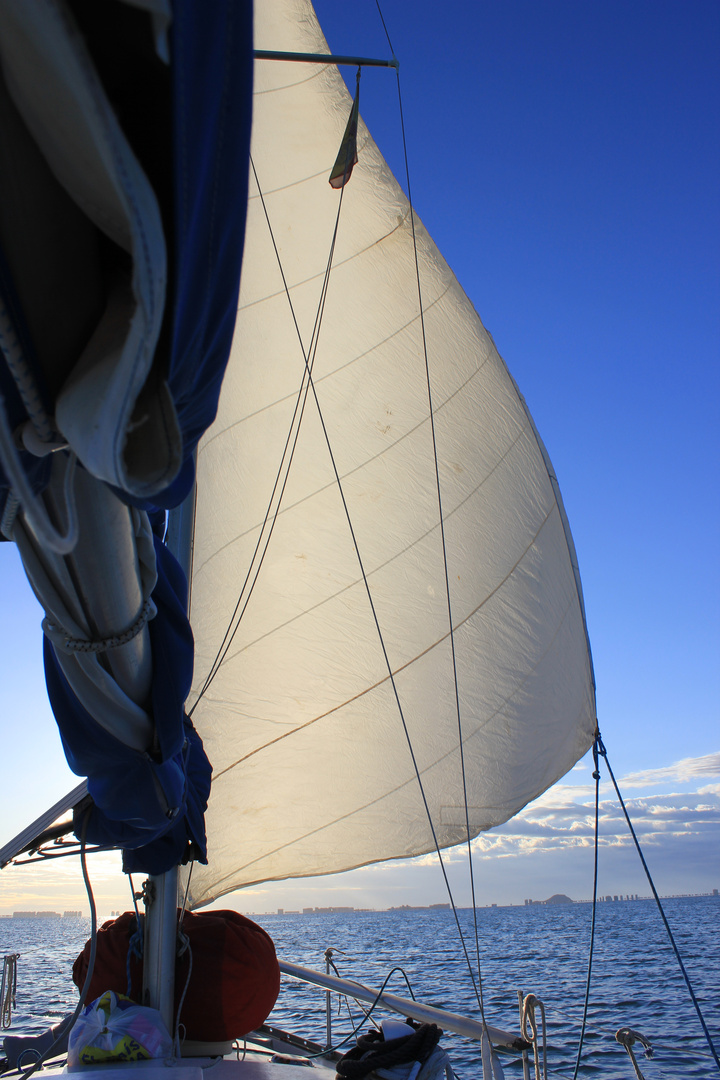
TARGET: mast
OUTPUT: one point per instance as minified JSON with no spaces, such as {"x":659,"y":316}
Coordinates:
{"x":162,"y":889}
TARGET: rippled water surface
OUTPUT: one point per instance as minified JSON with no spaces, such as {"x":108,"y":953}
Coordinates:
{"x":541,"y":950}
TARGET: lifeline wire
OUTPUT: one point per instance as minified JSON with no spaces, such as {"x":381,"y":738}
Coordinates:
{"x":478,"y":989}
{"x":603,"y":751}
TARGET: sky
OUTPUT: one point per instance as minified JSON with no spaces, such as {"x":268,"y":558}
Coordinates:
{"x":565,"y":158}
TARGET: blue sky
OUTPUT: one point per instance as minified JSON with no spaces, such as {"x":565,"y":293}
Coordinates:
{"x":565,"y":158}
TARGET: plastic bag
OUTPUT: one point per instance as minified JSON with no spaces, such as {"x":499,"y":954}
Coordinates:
{"x":115,"y":1028}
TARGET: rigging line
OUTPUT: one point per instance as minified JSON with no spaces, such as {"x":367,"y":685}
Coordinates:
{"x":302,"y":396}
{"x":298,"y":413}
{"x":442,"y":537}
{"x":356,"y":254}
{"x":211,"y":436}
{"x":596,"y":778}
{"x":135,"y":896}
{"x":8,"y":990}
{"x":185,"y":899}
{"x":360,"y":1004}
{"x":603,"y":751}
{"x":396,"y":694}
{"x":387,"y":35}
{"x":230,"y":632}
{"x":367,"y":589}
{"x":309,"y":360}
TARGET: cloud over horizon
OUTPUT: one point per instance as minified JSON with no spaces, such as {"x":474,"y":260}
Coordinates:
{"x":547,"y":847}
{"x":686,"y":770}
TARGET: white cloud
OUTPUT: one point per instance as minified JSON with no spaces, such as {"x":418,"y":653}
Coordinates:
{"x":683,"y":771}
{"x":546,"y":848}
{"x":549,"y":826}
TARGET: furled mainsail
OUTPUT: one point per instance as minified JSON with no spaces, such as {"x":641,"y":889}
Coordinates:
{"x":312,"y":772}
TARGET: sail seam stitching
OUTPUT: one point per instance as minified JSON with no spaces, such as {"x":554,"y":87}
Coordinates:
{"x":424,"y":652}
{"x":524,"y":429}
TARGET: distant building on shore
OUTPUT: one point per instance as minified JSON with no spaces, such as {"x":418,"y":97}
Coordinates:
{"x":420,"y":907}
{"x":327,"y":910}
{"x":36,"y":915}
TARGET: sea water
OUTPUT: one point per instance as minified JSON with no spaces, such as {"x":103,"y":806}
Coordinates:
{"x":539,"y":949}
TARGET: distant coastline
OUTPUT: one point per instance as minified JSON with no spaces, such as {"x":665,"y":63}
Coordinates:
{"x":47,"y":915}
{"x":555,"y":899}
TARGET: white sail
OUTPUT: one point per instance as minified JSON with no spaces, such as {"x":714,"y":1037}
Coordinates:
{"x":312,"y":772}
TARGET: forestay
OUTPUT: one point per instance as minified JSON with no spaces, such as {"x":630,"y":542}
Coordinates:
{"x":311,"y":768}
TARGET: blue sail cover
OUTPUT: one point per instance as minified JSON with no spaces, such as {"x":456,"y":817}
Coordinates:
{"x":212,"y":100}
{"x":152,"y":804}
{"x":203,"y":203}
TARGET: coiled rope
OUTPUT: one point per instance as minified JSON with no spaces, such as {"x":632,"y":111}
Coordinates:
{"x":8,"y":989}
{"x":530,"y":1003}
{"x":374,"y":1052}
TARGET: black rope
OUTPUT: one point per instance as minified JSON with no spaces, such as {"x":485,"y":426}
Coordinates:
{"x":603,"y":752}
{"x":373,"y":1051}
{"x":367,"y":1014}
{"x":344,"y":997}
{"x":387,"y":35}
{"x":596,"y":778}
{"x":477,"y":987}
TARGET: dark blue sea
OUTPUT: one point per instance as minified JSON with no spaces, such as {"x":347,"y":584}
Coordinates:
{"x":539,"y":949}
